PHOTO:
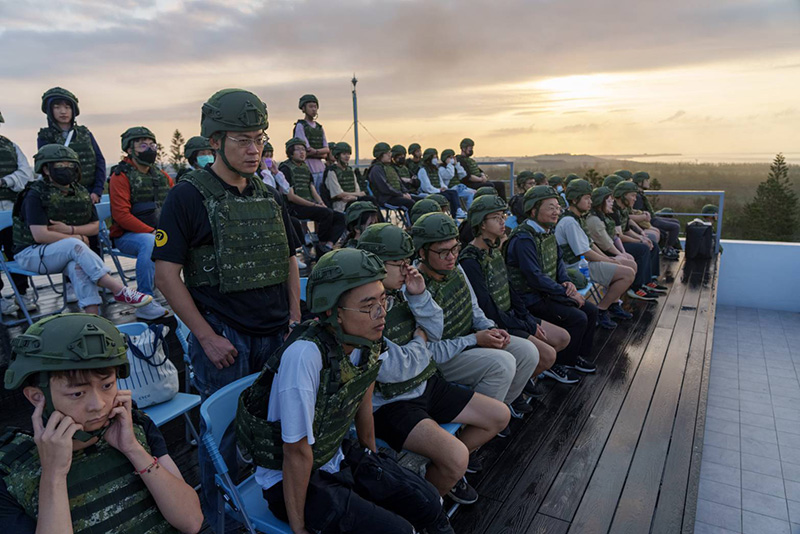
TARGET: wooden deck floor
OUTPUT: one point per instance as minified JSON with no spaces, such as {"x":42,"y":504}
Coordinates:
{"x":618,"y":453}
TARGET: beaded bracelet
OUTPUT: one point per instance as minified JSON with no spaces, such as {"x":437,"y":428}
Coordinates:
{"x":147,"y":469}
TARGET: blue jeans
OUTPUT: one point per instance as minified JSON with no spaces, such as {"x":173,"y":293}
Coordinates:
{"x":141,"y":246}
{"x":70,"y":255}
{"x":465,"y":193}
{"x":253,"y":354}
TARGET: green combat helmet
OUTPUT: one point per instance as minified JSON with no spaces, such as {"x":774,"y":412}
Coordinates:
{"x":380,"y":149}
{"x":428,"y":154}
{"x":267,"y":147}
{"x":448,"y":153}
{"x":336,"y":273}
{"x":53,"y":153}
{"x":485,"y":190}
{"x":483,"y":206}
{"x":232,"y":110}
{"x":432,"y":228}
{"x":640,"y":177}
{"x":58,"y":93}
{"x":342,"y":148}
{"x":441,"y":200}
{"x":137,"y":132}
{"x":599,"y":196}
{"x":709,"y":210}
{"x":577,"y":188}
{"x":195,"y":145}
{"x":423,"y":206}
{"x":535,"y":195}
{"x":666,"y":212}
{"x":413,"y":147}
{"x":66,"y":342}
{"x":398,"y":150}
{"x":571,"y":176}
{"x":612,"y":180}
{"x":357,"y":209}
{"x":387,"y":241}
{"x":555,"y":180}
{"x":625,"y":187}
{"x":466,"y":142}
{"x":305,"y":99}
{"x":523,"y":177}
{"x":291,"y":143}
{"x":540,"y":177}
{"x":625,"y":175}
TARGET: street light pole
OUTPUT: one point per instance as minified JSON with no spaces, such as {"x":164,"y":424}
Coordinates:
{"x":354,"y":81}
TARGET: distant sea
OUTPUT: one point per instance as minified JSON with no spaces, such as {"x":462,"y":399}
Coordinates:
{"x":791,"y":157}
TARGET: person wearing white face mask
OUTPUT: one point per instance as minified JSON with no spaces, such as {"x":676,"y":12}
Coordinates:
{"x":198,"y":153}
{"x":431,"y":181}
{"x":452,"y":173}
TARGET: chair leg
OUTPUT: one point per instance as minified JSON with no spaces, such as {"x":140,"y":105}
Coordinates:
{"x":220,"y":512}
{"x":191,"y":432}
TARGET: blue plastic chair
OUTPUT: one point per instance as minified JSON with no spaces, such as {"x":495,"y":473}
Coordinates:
{"x":303,"y":285}
{"x":511,"y":222}
{"x":106,"y":245}
{"x":243,"y":501}
{"x":179,"y":405}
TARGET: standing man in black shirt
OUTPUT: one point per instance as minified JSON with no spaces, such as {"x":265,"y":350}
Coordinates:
{"x":231,"y":236}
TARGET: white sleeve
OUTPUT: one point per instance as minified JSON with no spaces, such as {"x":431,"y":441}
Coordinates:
{"x":460,"y":170}
{"x":425,"y":183}
{"x":446,"y":173}
{"x":294,"y":391}
{"x":23,"y":174}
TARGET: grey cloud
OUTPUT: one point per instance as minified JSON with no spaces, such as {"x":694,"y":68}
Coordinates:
{"x":677,"y":115}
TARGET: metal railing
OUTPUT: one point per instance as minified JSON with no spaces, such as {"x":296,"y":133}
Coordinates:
{"x":510,"y":165}
{"x":719,"y":194}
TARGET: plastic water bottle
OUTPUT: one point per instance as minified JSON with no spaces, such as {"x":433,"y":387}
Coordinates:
{"x":583,"y":267}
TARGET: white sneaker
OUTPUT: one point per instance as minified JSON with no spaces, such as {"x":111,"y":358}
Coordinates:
{"x":301,"y":265}
{"x":151,"y":311}
{"x":72,"y":298}
{"x":30,"y":302}
{"x":8,"y":306}
{"x":460,"y":214}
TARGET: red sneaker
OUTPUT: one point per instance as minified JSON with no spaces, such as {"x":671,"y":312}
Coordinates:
{"x":133,"y":297}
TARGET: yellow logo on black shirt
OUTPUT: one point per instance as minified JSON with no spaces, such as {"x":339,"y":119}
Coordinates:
{"x":161,"y":238}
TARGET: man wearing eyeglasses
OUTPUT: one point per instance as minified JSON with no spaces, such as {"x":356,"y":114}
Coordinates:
{"x":137,"y":190}
{"x":230,"y":236}
{"x":489,"y":360}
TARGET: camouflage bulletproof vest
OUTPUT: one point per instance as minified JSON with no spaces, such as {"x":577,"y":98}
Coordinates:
{"x":73,"y":208}
{"x":646,"y":202}
{"x":392,"y":178}
{"x":346,"y":178}
{"x":624,"y":216}
{"x":104,"y":494}
{"x":314,"y":135}
{"x":81,"y":143}
{"x":412,"y":166}
{"x":452,"y":295}
{"x":301,"y":180}
{"x":342,"y":385}
{"x":402,"y":171}
{"x":611,"y":227}
{"x":148,"y":192}
{"x":433,"y":176}
{"x":568,"y":255}
{"x":250,"y":249}
{"x":494,"y":271}
{"x":470,"y":165}
{"x":8,"y":165}
{"x":546,"y":249}
{"x":361,"y":178}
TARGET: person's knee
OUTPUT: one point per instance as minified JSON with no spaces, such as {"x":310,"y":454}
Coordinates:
{"x":547,"y":356}
{"x":453,"y":464}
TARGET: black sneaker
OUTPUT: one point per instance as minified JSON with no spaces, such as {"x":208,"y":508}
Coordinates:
{"x":463,"y":493}
{"x":440,"y":526}
{"x":532,"y":389}
{"x":604,"y":321}
{"x":520,"y":407}
{"x":618,"y":313}
{"x":562,"y":374}
{"x":475,"y":464}
{"x":584,"y":366}
{"x":505,"y":432}
{"x":655,"y":287}
{"x":641,"y":294}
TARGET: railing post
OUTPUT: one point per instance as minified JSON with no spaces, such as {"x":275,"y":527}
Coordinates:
{"x":719,"y":220}
{"x":511,"y":178}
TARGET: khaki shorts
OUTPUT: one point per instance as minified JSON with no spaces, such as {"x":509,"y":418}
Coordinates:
{"x":602,"y":272}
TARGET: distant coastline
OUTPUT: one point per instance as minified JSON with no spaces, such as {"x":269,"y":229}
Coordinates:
{"x":567,"y":159}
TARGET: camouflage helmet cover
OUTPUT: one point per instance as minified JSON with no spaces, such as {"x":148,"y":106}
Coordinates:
{"x":439,"y":199}
{"x":537,"y":194}
{"x":448,"y":153}
{"x":423,"y":206}
{"x":294,"y":141}
{"x":523,"y":177}
{"x":342,"y":148}
{"x":398,"y":150}
{"x":577,"y":188}
{"x":624,"y":174}
{"x":625,"y":187}
{"x":429,"y":154}
{"x":483,"y":206}
{"x":571,"y":176}
{"x":555,"y":180}
{"x":357,"y":209}
{"x":640,"y":176}
{"x":709,"y":209}
{"x":340,"y":271}
{"x":599,"y":195}
{"x":612,"y":180}
{"x":233,"y":110}
{"x":136,"y":132}
{"x":466,"y":142}
{"x":195,"y":145}
{"x":380,"y":149}
{"x":413,"y":147}
{"x":433,"y":228}
{"x":305,"y":99}
{"x":59,"y":93}
{"x":387,"y":241}
{"x":485,"y":190}
{"x":52,"y":153}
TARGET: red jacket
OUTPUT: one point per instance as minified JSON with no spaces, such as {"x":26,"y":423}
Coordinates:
{"x":120,"y":196}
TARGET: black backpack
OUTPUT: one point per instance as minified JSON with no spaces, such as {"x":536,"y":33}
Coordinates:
{"x":699,"y":241}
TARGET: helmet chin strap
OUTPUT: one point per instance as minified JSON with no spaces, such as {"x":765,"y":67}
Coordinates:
{"x":227,"y":163}
{"x":424,"y":262}
{"x":357,"y":341}
{"x":80,"y":435}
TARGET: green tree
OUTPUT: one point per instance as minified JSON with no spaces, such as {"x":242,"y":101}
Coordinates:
{"x":655,"y":185}
{"x":773,"y":214}
{"x":161,"y":156}
{"x":176,"y":157}
{"x":593,"y":177}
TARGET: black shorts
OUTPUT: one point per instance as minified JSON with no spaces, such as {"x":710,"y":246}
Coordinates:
{"x":441,"y":401}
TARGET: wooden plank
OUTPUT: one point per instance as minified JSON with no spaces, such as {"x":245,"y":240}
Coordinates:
{"x":596,"y":510}
{"x":544,"y":524}
{"x":639,"y":495}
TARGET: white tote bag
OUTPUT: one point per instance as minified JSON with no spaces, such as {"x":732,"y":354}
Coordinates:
{"x":153,"y":378}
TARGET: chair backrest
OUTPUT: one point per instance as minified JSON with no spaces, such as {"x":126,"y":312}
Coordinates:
{"x":303,"y":285}
{"x":132,"y":329}
{"x":219,"y":410}
{"x":103,"y":210}
{"x":6,"y":219}
{"x":183,"y":335}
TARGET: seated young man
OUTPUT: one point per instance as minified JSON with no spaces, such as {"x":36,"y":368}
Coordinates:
{"x":632,"y":237}
{"x":359,"y":215}
{"x":384,"y":180}
{"x":475,"y":177}
{"x":602,"y":229}
{"x":574,"y":242}
{"x":411,"y":183}
{"x":524,"y":180}
{"x":53,"y":219}
{"x":414,"y":159}
{"x":411,"y":400}
{"x":473,"y":351}
{"x":94,"y":463}
{"x":305,"y":202}
{"x":137,"y":190}
{"x":670,"y":228}
{"x":538,"y":274}
{"x":483,"y":263}
{"x":295,"y":417}
{"x":340,"y":179}
{"x":431,"y":182}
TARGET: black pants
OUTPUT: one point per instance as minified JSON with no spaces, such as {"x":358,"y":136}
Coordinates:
{"x":579,"y":322}
{"x":642,"y":255}
{"x":330,"y":224}
{"x":452,"y":197}
{"x":402,"y":202}
{"x":370,"y":494}
{"x":7,"y":243}
{"x":670,"y":229}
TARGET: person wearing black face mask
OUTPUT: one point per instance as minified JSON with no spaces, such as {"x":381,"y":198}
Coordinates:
{"x":137,"y":190}
{"x":53,"y":219}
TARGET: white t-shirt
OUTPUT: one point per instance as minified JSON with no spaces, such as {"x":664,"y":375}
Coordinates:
{"x":292,"y":401}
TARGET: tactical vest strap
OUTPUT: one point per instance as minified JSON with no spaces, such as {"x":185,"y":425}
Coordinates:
{"x":453,"y":296}
{"x":392,"y":178}
{"x":346,"y":178}
{"x":81,"y":143}
{"x":433,"y":176}
{"x":400,"y":321}
{"x":313,"y":135}
{"x":568,"y":254}
{"x":301,"y":180}
{"x":493,"y":266}
{"x":390,"y":390}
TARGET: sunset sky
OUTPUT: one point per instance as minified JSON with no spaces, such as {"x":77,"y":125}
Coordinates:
{"x":519,"y":77}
